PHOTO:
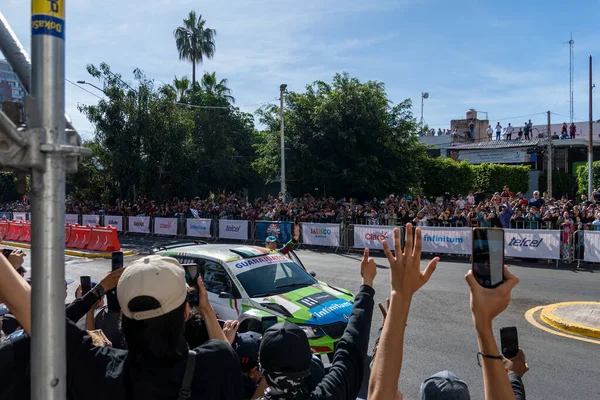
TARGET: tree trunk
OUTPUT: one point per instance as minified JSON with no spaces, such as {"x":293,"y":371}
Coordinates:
{"x":193,"y":72}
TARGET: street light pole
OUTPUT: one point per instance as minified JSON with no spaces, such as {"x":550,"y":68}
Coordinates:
{"x":590,"y":139}
{"x":281,"y":91}
{"x":424,"y":95}
{"x":92,"y":85}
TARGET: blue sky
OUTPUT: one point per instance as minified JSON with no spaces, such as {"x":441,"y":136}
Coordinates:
{"x":509,"y":58}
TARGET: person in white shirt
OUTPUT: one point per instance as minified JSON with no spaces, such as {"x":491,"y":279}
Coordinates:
{"x":498,"y":131}
{"x":490,"y":132}
{"x":509,"y":132}
{"x":460,"y":202}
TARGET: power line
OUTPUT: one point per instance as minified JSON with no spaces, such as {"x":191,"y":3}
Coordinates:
{"x":84,"y":89}
{"x":560,"y":115}
{"x":223,"y":107}
{"x":521,"y":116}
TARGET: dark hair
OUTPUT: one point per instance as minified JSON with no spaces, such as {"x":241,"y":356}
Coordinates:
{"x":195,"y":333}
{"x":155,"y":339}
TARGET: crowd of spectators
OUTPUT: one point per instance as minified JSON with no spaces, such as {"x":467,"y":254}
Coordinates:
{"x":165,"y":346}
{"x":500,"y":209}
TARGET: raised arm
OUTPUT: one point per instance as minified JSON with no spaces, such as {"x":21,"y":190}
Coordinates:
{"x":406,"y":280}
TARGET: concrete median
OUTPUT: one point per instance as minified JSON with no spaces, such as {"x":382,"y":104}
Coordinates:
{"x":577,"y":317}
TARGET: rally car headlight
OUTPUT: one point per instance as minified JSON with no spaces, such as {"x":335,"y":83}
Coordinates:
{"x":313,"y":331}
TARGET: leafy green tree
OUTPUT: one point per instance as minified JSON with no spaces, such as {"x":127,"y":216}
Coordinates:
{"x":181,"y":87}
{"x":212,"y":86}
{"x":345,"y":136}
{"x":492,"y":177}
{"x":582,"y":177}
{"x":195,"y":41}
{"x":446,"y":177}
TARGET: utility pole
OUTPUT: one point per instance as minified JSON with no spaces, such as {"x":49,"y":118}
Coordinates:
{"x":571,"y":75}
{"x":549,"y":175}
{"x":281,"y":91}
{"x":591,"y":141}
{"x":46,"y":150}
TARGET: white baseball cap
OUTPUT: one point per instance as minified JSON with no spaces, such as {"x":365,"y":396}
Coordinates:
{"x":162,"y":278}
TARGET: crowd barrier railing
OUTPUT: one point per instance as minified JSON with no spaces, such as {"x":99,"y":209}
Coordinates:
{"x":527,"y":239}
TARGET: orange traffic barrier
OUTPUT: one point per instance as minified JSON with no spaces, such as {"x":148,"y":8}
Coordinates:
{"x":3,"y":229}
{"x":67,"y":233}
{"x":14,"y":230}
{"x":25,"y":235}
{"x":104,"y":239}
{"x":80,"y":237}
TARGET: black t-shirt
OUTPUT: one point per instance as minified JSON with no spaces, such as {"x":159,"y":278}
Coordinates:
{"x":107,"y":373}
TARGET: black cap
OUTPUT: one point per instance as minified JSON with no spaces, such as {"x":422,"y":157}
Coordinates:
{"x":444,"y":385}
{"x":285,"y":349}
{"x":246,"y":345}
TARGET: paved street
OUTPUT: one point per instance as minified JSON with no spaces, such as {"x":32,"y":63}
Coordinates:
{"x":440,"y":334}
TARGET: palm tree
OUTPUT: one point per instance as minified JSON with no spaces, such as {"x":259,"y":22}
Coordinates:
{"x":211,"y":85}
{"x":195,"y":41}
{"x":181,"y":86}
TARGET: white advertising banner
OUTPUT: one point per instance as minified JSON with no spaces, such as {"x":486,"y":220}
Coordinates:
{"x":20,"y":216}
{"x":139,"y":224}
{"x":165,"y":226}
{"x":373,"y":236}
{"x":591,"y":241}
{"x":71,"y":219}
{"x":231,"y":229}
{"x":321,"y":234}
{"x":447,"y":240}
{"x":114,"y":221}
{"x":91,"y":220}
{"x":198,"y":227}
{"x":529,"y":243}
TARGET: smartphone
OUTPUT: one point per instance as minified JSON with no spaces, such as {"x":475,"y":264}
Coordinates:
{"x":191,"y":278}
{"x":488,"y":256}
{"x":112,"y":301}
{"x":509,"y":341}
{"x":86,"y":284}
{"x":267,"y":322}
{"x":6,"y":252}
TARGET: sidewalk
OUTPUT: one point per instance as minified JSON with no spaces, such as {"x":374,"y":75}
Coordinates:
{"x":577,"y":317}
{"x":73,"y":253}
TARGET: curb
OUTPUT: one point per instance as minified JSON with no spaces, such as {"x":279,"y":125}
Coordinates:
{"x":73,"y":253}
{"x":548,"y":317}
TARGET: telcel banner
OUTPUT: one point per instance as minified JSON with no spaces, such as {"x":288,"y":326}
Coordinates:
{"x":321,"y":234}
{"x":71,"y":219}
{"x":20,"y":216}
{"x":165,"y":226}
{"x":198,"y":227}
{"x":591,"y":241}
{"x":447,"y":240}
{"x":373,"y":236}
{"x":91,"y":220}
{"x":281,"y":230}
{"x":529,"y":243}
{"x":232,"y":229}
{"x":115,"y":221}
{"x":139,"y":224}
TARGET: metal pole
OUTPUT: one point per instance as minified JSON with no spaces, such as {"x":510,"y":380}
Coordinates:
{"x":591,"y":142}
{"x":422,"y":101}
{"x":281,"y":90}
{"x":48,"y":346}
{"x":549,"y":183}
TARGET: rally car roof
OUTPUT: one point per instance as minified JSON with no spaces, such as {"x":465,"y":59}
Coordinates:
{"x":223,"y":252}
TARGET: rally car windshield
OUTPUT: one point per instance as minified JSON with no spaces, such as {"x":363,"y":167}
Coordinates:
{"x":275,"y":278}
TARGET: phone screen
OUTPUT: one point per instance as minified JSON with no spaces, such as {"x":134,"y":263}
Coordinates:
{"x":191,"y":278}
{"x":509,"y":341}
{"x":112,"y":301}
{"x":117,"y":260}
{"x":267,"y":322}
{"x":488,"y":256}
{"x":86,"y":284}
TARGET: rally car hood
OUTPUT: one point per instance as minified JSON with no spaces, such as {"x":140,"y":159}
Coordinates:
{"x":317,"y":304}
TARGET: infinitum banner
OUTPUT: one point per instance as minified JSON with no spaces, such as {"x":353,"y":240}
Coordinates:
{"x":447,"y":240}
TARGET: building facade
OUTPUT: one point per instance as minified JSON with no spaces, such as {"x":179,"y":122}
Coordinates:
{"x":10,"y":86}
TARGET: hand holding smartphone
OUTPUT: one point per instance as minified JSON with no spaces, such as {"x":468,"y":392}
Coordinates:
{"x":509,"y":341}
{"x":191,"y":277}
{"x":86,"y":284}
{"x":488,"y":256}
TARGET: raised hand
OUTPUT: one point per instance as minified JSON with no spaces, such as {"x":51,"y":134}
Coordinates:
{"x":405,"y":267}
{"x":111,"y":279}
{"x":368,"y":269}
{"x":230,"y":328}
{"x":297,"y":233}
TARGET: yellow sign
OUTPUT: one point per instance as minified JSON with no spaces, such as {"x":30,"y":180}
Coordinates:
{"x":53,"y":8}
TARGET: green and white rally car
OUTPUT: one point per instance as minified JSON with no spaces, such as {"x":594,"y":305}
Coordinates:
{"x":247,"y":283}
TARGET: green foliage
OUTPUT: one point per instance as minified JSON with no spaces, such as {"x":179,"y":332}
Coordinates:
{"x":195,"y":41}
{"x":582,"y":177}
{"x":147,"y":145}
{"x":493,"y":177}
{"x":444,"y":176}
{"x":344,"y":136}
{"x":563,"y":184}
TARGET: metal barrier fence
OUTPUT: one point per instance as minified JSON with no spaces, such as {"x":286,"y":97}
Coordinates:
{"x":569,"y":246}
